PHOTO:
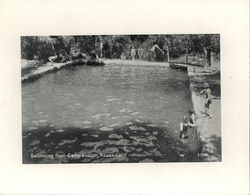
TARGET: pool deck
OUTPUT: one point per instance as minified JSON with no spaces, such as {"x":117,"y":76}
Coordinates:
{"x":209,"y":129}
{"x":42,"y":70}
{"x":134,"y":63}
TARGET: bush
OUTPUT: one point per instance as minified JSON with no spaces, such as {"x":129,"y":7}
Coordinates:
{"x":42,"y":47}
{"x":35,"y":48}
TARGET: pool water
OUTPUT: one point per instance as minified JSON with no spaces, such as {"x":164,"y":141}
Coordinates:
{"x":115,"y":113}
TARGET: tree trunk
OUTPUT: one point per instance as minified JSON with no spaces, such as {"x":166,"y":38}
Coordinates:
{"x":186,"y":60}
{"x":207,"y":56}
{"x":101,"y":49}
{"x":101,"y":46}
{"x":168,"y":58}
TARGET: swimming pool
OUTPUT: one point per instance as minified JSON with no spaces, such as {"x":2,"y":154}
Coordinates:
{"x":132,"y":111}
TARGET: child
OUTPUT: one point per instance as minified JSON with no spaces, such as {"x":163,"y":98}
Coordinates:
{"x":52,"y":59}
{"x":208,"y":100}
{"x":192,"y":120}
{"x":184,"y":128}
{"x":123,"y":57}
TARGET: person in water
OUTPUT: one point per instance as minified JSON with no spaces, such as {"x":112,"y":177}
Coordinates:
{"x":193,"y":124}
{"x":123,"y":57}
{"x":208,"y":101}
{"x":184,"y":128}
{"x":192,"y":119}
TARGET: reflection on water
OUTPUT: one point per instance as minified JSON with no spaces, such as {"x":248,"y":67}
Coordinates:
{"x":124,"y":107}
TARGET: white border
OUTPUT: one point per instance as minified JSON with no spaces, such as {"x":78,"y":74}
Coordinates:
{"x":44,"y":17}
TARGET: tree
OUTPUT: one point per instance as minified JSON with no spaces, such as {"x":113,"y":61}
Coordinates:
{"x":215,"y":43}
{"x":112,"y":46}
{"x":208,"y":42}
{"x":85,"y":43}
{"x":36,"y":47}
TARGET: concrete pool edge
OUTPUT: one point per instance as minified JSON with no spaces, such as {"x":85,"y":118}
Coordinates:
{"x":206,"y":134}
{"x":42,"y":70}
{"x":118,"y":62}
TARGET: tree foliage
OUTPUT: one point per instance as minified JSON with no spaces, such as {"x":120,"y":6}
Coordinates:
{"x":112,"y":46}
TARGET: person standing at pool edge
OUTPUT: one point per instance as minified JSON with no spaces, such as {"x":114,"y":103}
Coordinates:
{"x":208,"y":100}
{"x":184,"y":128}
{"x":133,"y":52}
{"x":156,"y":50}
{"x":140,"y":52}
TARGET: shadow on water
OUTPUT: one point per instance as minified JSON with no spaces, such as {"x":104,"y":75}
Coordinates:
{"x":136,"y":142}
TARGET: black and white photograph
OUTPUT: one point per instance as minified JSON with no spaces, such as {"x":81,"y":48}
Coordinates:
{"x":125,"y":98}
